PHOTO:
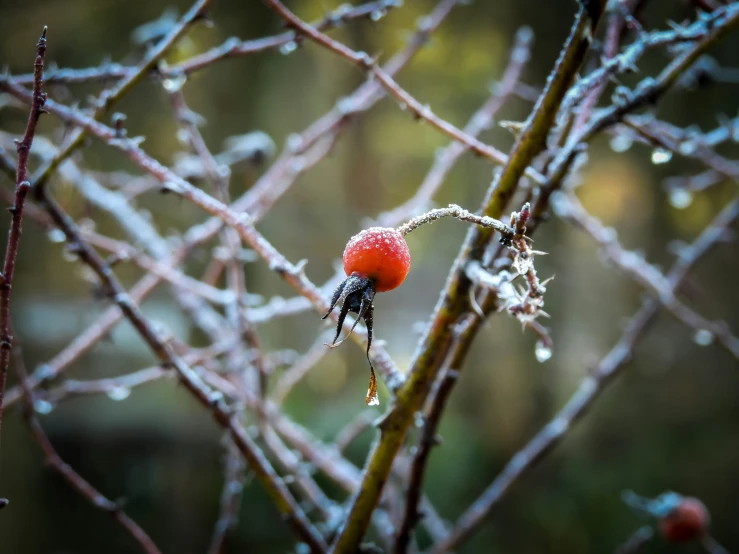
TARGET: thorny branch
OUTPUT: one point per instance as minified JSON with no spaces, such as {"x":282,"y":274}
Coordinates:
{"x":14,"y":237}
{"x":590,"y":388}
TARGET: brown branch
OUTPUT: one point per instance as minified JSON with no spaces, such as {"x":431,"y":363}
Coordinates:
{"x":229,"y":49}
{"x":109,"y":98}
{"x":256,"y":201}
{"x":413,"y":106}
{"x":14,"y":237}
{"x":570,"y":210}
{"x":707,"y":30}
{"x":612,"y":40}
{"x":480,"y":121}
{"x":310,"y":146}
{"x":215,"y":403}
{"x":171,"y":182}
{"x":75,"y":480}
{"x":426,"y":441}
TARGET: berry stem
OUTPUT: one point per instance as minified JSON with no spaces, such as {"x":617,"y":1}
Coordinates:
{"x":456,"y":212}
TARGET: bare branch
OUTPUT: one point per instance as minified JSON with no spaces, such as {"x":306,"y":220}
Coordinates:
{"x":75,"y":480}
{"x":14,"y":237}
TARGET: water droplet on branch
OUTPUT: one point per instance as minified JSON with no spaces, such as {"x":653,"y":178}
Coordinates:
{"x":56,"y":235}
{"x":703,"y":337}
{"x":118,"y":393}
{"x":680,"y":198}
{"x":42,"y":406}
{"x":288,"y":48}
{"x":621,"y":143}
{"x":661,"y":156}
{"x":542,"y":351}
{"x":175,"y":83}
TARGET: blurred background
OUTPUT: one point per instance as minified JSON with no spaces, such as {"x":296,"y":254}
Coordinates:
{"x":670,"y":422}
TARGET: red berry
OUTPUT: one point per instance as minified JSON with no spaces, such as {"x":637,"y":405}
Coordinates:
{"x":687,"y":522}
{"x":380,"y":254}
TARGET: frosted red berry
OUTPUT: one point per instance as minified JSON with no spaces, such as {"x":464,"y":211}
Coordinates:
{"x":375,"y":260}
{"x":688,"y":521}
{"x":379,"y":253}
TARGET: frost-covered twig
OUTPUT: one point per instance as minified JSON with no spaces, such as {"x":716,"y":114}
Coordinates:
{"x":672,"y":139}
{"x":257,"y":201}
{"x":110,"y":97}
{"x":171,"y":182}
{"x":214,"y":403}
{"x":626,"y":61}
{"x":648,"y":90}
{"x":570,"y":210}
{"x":413,"y":106}
{"x":231,"y":48}
{"x":481,"y":120}
{"x":234,"y":478}
{"x":457,"y":212}
{"x":295,"y":373}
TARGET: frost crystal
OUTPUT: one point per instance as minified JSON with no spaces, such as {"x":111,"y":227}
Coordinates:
{"x":523,"y":263}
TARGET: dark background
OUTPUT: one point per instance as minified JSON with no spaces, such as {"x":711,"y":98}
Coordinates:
{"x":671,"y":422}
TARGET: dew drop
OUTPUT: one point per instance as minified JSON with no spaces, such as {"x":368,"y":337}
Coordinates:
{"x":680,"y":198}
{"x":661,"y":156}
{"x":69,"y":255}
{"x":621,"y":143}
{"x":175,"y":83}
{"x":703,"y":337}
{"x":56,"y":235}
{"x":118,"y":393}
{"x":288,"y":48}
{"x":687,"y":148}
{"x":542,"y":352}
{"x":235,"y":487}
{"x":44,"y":372}
{"x":294,"y":142}
{"x":42,"y":406}
{"x":183,"y":137}
{"x":376,"y":15}
{"x":346,"y":106}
